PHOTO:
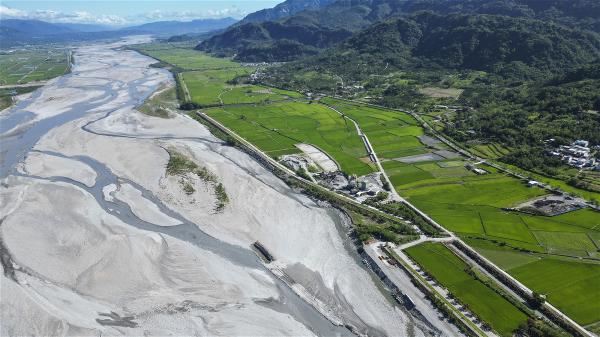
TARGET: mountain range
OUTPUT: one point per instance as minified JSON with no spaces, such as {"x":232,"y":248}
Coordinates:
{"x":18,"y":31}
{"x":324,"y":25}
{"x":284,"y":9}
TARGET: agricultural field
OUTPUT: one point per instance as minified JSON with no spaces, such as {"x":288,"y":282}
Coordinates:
{"x":255,"y":94}
{"x":569,"y":284}
{"x":427,"y":173}
{"x":436,"y":92}
{"x":184,"y":57}
{"x":277,"y":127}
{"x":24,"y":66}
{"x":449,"y":271}
{"x":491,"y":150}
{"x":210,"y":80}
{"x":205,"y":87}
{"x":213,"y":87}
{"x":474,"y":206}
{"x":392,"y":134}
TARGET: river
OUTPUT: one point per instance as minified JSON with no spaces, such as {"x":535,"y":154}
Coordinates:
{"x":78,"y":260}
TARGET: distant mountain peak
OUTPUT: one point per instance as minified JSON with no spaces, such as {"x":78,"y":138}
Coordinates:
{"x":284,"y":9}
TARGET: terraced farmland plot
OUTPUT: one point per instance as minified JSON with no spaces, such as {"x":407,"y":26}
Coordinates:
{"x":449,"y":270}
{"x":279,"y":126}
{"x":492,"y":151}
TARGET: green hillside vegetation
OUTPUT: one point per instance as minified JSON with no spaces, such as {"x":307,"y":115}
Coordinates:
{"x":511,"y":47}
{"x":272,"y":41}
{"x":305,"y":32}
{"x":454,"y":274}
{"x":521,"y":117}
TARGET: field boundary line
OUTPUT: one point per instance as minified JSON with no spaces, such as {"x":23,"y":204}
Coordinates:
{"x":559,"y":315}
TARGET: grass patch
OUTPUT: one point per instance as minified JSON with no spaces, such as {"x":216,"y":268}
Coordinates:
{"x":161,"y":104}
{"x":180,"y":165}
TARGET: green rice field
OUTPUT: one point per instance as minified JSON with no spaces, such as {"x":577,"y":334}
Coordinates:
{"x":392,"y":134}
{"x":185,"y":58}
{"x":209,"y":79}
{"x":449,"y":271}
{"x":569,"y":284}
{"x":277,"y":127}
{"x":206,"y":87}
{"x":255,"y":94}
{"x":473,"y":206}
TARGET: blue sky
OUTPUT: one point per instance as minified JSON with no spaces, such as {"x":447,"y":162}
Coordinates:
{"x":124,"y":12}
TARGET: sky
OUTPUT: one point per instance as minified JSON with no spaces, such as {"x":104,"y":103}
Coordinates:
{"x":128,"y":12}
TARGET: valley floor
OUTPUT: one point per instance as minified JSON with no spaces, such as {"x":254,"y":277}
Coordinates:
{"x":100,"y":236}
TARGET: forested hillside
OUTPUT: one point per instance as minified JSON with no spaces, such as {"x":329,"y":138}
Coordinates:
{"x":284,"y":9}
{"x":514,"y":48}
{"x":271,"y":41}
{"x":354,"y":15}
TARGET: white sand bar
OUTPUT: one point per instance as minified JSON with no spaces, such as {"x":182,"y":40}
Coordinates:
{"x":142,"y":207}
{"x":44,"y":165}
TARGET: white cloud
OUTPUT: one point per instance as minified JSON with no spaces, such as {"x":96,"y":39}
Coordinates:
{"x":7,"y":12}
{"x":61,"y":17}
{"x":157,"y":14}
{"x":115,"y":20}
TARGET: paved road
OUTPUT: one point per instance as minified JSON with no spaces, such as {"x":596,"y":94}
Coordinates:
{"x":404,"y":283}
{"x":424,"y":238}
{"x":371,"y":152}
